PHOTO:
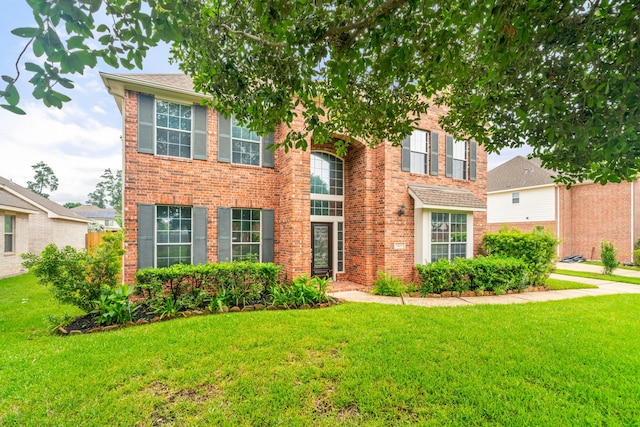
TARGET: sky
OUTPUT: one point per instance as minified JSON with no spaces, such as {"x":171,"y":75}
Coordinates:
{"x":83,"y":138}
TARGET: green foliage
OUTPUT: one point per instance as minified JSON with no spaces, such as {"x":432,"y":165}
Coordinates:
{"x":108,"y":191}
{"x":608,"y":254}
{"x":43,"y":179}
{"x":636,"y":257}
{"x":637,"y":244}
{"x":301,"y":291}
{"x":388,"y":285}
{"x":235,"y":283}
{"x":75,"y":276}
{"x":557,"y":75}
{"x":494,"y":274}
{"x":537,"y":249}
{"x":71,"y":205}
{"x":164,"y":306}
{"x":113,"y":307}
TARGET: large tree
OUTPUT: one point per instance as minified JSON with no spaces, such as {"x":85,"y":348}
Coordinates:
{"x":108,"y":191}
{"x":43,"y":179}
{"x":561,"y":76}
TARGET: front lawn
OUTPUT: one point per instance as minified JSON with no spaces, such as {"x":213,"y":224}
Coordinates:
{"x":559,"y":285}
{"x":600,"y":276}
{"x":571,"y":362}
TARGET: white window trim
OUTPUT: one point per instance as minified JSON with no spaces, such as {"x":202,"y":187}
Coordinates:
{"x":13,"y":233}
{"x":422,"y":228}
{"x":251,"y":243}
{"x":260,"y":145}
{"x":427,"y":135}
{"x":155,"y":130}
{"x":155,"y":234}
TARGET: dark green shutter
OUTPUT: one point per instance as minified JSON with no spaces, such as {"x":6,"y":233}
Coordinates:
{"x":406,"y":154}
{"x":267,"y":235}
{"x":200,"y":132}
{"x":448,"y":170}
{"x":146,"y":231}
{"x":434,"y":153}
{"x":146,"y":124}
{"x":473,"y":148}
{"x":199,"y":235}
{"x":267,"y":154}
{"x":224,"y":234}
{"x":224,"y":139}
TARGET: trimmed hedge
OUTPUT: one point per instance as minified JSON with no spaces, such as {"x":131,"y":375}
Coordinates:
{"x":493,"y":274}
{"x":537,"y":249}
{"x":636,"y":257}
{"x":237,"y":282}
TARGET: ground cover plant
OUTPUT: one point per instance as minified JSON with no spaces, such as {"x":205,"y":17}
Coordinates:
{"x":600,"y":276}
{"x":571,"y":362}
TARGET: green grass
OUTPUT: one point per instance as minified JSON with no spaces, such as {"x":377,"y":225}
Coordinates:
{"x":600,"y":276}
{"x":559,"y":285}
{"x":572,"y":362}
{"x":624,"y":267}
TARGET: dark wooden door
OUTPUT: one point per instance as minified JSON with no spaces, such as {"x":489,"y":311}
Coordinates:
{"x":321,"y":249}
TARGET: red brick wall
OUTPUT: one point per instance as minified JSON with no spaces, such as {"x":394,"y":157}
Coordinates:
{"x":593,"y":213}
{"x":375,"y":188}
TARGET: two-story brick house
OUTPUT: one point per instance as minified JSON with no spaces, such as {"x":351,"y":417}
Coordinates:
{"x":199,"y":187}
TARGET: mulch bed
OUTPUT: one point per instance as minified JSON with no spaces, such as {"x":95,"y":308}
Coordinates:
{"x":87,"y":324}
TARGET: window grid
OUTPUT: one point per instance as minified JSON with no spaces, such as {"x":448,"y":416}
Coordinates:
{"x":340,"y":246}
{"x":515,"y":198}
{"x":9,"y":233}
{"x":173,"y":129}
{"x":419,"y":151}
{"x":460,"y":159}
{"x":326,"y":174}
{"x":326,"y":208}
{"x":448,"y":235}
{"x":245,"y":145}
{"x":245,"y":234}
{"x":173,"y":235}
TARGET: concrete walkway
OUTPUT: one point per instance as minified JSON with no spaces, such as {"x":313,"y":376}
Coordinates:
{"x":604,"y":287}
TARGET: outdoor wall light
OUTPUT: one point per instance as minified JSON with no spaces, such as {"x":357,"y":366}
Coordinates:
{"x":401,"y":210}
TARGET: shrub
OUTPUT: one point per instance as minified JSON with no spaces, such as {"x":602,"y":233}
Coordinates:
{"x":482,"y":273}
{"x":231,"y":283}
{"x":75,"y":276}
{"x":536,"y":249}
{"x":636,"y":257}
{"x":388,"y":285}
{"x":114,"y":307}
{"x":302,"y":290}
{"x":608,"y":254}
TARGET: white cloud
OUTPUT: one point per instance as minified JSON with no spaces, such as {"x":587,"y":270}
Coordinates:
{"x":76,"y":146}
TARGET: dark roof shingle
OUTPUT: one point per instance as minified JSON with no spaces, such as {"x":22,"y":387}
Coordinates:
{"x":518,"y":172}
{"x":446,"y":197}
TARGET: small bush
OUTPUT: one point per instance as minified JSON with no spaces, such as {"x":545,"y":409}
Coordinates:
{"x":608,"y":255}
{"x":636,"y":257}
{"x":75,"y":276}
{"x":537,"y":249}
{"x":477,"y":274}
{"x":301,"y":291}
{"x":114,"y":307}
{"x":388,"y":285}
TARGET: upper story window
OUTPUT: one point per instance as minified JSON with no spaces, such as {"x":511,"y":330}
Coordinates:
{"x":327,"y":185}
{"x":9,"y":233}
{"x":419,"y":151}
{"x":515,"y":198}
{"x":173,"y":129}
{"x":245,"y":145}
{"x":173,"y":235}
{"x":459,"y":159}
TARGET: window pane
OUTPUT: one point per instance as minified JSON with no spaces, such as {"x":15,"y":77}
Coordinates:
{"x":245,"y":236}
{"x":326,"y":174}
{"x":173,"y":235}
{"x":173,"y":126}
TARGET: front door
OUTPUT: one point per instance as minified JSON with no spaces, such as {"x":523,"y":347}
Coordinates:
{"x":321,"y":235}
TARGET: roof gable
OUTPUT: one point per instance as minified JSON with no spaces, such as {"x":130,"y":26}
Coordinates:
{"x":33,"y":200}
{"x":518,"y":172}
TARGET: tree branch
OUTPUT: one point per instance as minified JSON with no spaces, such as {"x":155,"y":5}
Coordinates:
{"x":366,"y":22}
{"x":252,"y":37}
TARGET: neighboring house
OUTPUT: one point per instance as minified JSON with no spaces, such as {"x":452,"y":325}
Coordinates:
{"x":30,"y":223}
{"x":103,"y":217}
{"x":199,"y":188}
{"x":524,"y":195}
